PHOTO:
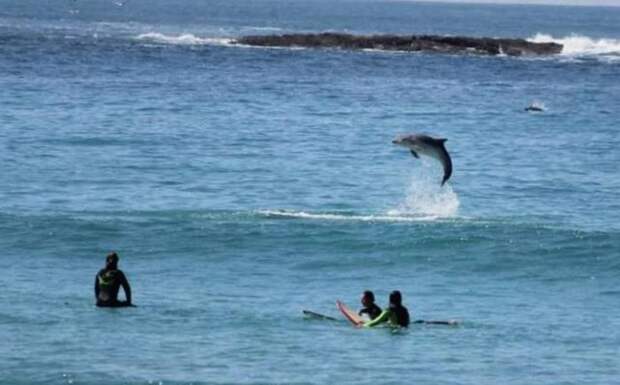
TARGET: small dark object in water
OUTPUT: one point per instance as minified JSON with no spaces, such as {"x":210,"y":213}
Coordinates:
{"x":535,"y":107}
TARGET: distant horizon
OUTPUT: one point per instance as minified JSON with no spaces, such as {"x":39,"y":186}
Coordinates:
{"x":583,"y":3}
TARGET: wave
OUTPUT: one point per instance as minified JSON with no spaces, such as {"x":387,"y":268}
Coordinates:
{"x":183,"y":39}
{"x":189,"y":39}
{"x":386,"y":217}
{"x":21,"y":220}
{"x":265,"y":29}
{"x":425,"y":200}
{"x":577,"y":45}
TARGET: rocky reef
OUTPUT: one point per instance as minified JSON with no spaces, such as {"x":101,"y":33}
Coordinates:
{"x":412,"y":43}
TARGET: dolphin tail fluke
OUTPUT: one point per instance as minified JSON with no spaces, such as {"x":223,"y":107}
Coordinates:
{"x":446,"y":162}
{"x":445,"y":179}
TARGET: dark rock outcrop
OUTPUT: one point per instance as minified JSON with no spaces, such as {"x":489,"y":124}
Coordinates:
{"x":426,"y":43}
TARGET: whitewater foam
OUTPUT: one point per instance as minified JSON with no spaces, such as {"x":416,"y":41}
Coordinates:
{"x":262,"y":29}
{"x":577,"y":45}
{"x":386,"y":217}
{"x":427,"y":198}
{"x":184,"y":39}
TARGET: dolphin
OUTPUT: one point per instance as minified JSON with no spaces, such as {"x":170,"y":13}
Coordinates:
{"x":420,"y":144}
{"x":534,"y":108}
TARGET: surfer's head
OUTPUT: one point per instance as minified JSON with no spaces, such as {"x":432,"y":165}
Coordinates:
{"x":111,"y":261}
{"x":368,"y":298}
{"x":396,"y":298}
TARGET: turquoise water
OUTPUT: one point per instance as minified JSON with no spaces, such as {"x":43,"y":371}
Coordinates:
{"x":242,"y":185}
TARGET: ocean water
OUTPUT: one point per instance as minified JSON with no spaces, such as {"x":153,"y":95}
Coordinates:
{"x":242,"y":185}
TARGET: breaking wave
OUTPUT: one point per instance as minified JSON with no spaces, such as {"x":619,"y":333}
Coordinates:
{"x":383,"y":217}
{"x":425,"y":201}
{"x":577,"y":45}
{"x":183,"y":39}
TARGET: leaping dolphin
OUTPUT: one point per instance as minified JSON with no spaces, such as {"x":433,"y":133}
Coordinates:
{"x":420,"y":144}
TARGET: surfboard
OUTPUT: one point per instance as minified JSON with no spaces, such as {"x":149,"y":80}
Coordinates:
{"x":448,"y":323}
{"x":311,"y":314}
{"x":349,"y":314}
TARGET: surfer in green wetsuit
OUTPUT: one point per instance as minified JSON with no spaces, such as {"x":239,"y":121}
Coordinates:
{"x":108,"y":282}
{"x":396,"y":314}
{"x":370,"y":307}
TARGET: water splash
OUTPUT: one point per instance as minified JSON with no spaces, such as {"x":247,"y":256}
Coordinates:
{"x":184,"y":39}
{"x":577,"y":45}
{"x":427,"y":198}
{"x":387,"y":217}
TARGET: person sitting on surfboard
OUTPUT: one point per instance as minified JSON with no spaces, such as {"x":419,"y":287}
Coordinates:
{"x":108,"y":282}
{"x":370,"y":307}
{"x":396,"y":314}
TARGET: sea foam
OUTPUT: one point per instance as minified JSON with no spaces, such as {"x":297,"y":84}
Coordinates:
{"x":577,"y":45}
{"x":427,"y":198}
{"x":334,"y":216}
{"x":183,"y":39}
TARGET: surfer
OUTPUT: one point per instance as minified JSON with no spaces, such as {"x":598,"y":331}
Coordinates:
{"x":370,"y":307}
{"x":108,"y":282}
{"x":396,"y":314}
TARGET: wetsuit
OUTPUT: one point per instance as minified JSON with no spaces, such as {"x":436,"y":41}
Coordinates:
{"x":395,"y":315}
{"x":107,"y":284}
{"x":373,"y":311}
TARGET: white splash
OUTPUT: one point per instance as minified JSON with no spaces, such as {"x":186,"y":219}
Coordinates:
{"x":184,"y":39}
{"x":253,"y":28}
{"x":576,"y":45}
{"x":425,"y":201}
{"x":427,"y":198}
{"x":387,"y":217}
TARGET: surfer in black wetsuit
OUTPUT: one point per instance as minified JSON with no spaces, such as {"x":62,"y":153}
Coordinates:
{"x":370,"y":307}
{"x":108,"y":282}
{"x":396,"y":314}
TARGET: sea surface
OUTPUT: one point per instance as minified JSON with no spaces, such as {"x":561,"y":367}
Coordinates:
{"x":243,"y":185}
